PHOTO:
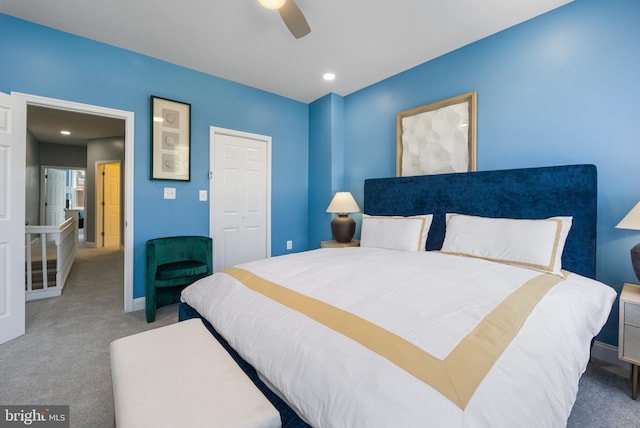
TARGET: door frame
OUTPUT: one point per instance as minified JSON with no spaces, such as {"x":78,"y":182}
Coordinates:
{"x":128,"y":117}
{"x":213,"y":131}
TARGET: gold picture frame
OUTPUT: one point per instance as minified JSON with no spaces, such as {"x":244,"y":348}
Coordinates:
{"x":437,"y":138}
{"x":170,"y":140}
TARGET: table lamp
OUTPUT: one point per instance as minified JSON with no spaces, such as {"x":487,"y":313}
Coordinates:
{"x":343,"y":226}
{"x":632,"y":221}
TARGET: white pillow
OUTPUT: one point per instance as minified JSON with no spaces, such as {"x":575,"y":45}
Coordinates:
{"x":536,"y":244}
{"x":395,"y":232}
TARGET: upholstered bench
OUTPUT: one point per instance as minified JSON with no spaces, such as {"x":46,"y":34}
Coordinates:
{"x":180,"y":376}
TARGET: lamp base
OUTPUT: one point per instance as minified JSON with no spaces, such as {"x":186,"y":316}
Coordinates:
{"x":635,"y":260}
{"x":343,"y":228}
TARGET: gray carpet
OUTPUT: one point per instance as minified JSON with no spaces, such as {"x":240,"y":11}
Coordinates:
{"x":64,"y":356}
{"x":604,"y":399}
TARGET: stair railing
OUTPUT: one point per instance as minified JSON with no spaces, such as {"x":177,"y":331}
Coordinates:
{"x":65,"y":239}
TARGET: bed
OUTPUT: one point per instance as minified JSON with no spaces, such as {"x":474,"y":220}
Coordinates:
{"x":490,"y":326}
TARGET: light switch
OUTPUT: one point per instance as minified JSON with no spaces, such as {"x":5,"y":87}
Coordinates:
{"x":203,"y":195}
{"x":169,"y":192}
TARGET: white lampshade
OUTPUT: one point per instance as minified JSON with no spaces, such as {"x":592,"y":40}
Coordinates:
{"x":343,"y":203}
{"x":631,"y":220}
{"x":272,"y":4}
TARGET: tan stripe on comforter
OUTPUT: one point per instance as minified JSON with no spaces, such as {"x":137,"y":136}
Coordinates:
{"x":459,"y":374}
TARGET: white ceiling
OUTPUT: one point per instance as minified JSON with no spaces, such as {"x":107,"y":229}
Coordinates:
{"x":361,"y":41}
{"x":45,"y":125}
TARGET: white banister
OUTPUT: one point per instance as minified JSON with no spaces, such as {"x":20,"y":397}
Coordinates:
{"x":65,"y":239}
{"x":45,"y":277}
{"x":67,"y":249}
{"x":28,"y":260}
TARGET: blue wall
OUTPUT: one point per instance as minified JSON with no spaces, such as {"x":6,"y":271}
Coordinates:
{"x":562,"y":88}
{"x":45,"y":62}
{"x":558,"y":89}
{"x":326,"y":163}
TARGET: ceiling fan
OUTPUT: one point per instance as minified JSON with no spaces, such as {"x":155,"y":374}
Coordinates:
{"x":291,"y":15}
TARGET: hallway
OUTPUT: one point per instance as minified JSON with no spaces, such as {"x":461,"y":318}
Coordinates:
{"x":64,"y":356}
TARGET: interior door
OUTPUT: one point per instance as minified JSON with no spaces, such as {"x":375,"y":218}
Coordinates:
{"x":13,"y":125}
{"x":241,"y":197}
{"x":108,"y":205}
{"x":111,"y":205}
{"x":54,"y":200}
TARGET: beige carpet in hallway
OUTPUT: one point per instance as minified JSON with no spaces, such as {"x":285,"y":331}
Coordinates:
{"x":64,"y":356}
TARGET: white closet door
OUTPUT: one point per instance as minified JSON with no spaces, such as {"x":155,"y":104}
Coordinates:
{"x":240,"y":208}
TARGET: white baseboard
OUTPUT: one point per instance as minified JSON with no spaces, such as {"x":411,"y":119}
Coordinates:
{"x":608,"y":354}
{"x":43,"y":294}
{"x":139,"y":304}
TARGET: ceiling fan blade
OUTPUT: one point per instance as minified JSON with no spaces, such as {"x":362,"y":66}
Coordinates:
{"x":294,"y":19}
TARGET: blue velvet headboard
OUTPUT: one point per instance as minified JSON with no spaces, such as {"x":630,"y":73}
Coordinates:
{"x":514,"y":193}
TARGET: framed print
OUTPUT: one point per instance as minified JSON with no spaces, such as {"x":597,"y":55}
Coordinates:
{"x":170,"y":140}
{"x":437,"y":138}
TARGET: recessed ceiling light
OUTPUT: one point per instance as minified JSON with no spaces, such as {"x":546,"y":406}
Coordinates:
{"x":329,"y":76}
{"x":65,"y":132}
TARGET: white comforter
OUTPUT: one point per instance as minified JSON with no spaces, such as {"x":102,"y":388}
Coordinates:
{"x":430,"y":299}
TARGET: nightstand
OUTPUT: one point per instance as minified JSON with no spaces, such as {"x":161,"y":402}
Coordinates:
{"x":336,"y":244}
{"x":629,"y":338}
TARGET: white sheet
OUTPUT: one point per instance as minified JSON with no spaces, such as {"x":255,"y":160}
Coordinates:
{"x":431,"y":299}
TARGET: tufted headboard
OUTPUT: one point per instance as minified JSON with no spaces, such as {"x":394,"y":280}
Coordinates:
{"x":515,"y":193}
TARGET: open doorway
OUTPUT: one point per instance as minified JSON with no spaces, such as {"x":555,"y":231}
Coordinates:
{"x":62,"y":189}
{"x":52,"y":205}
{"x":62,"y":195}
{"x":104,"y":149}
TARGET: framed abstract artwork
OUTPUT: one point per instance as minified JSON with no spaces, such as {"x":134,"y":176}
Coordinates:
{"x":170,"y":140}
{"x":437,"y":138}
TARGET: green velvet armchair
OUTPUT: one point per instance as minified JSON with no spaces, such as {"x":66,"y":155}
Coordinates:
{"x":172,"y":264}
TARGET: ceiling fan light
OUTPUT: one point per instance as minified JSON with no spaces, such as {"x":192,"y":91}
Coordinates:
{"x":272,"y":4}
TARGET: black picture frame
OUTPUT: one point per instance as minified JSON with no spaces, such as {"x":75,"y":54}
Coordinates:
{"x":170,"y":139}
